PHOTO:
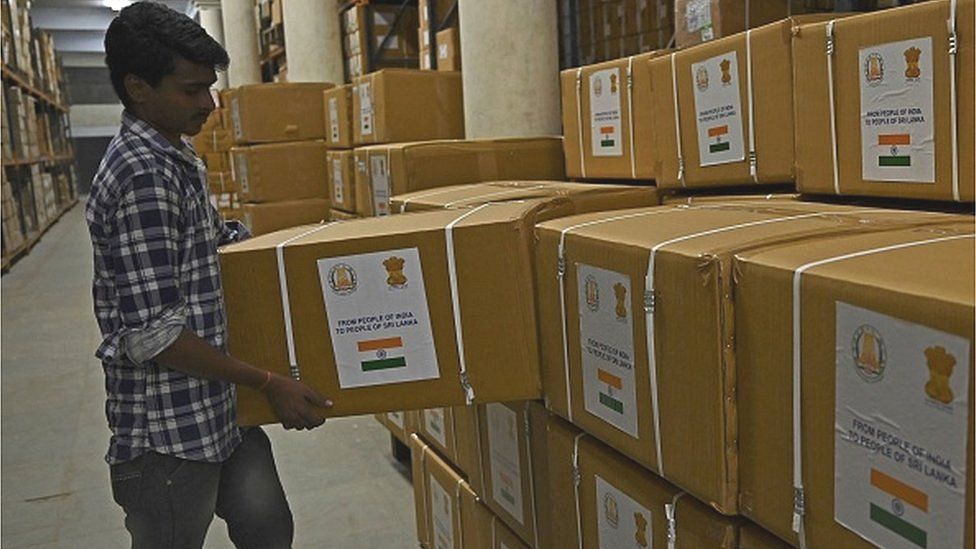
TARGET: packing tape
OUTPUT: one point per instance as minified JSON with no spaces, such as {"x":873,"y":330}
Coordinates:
{"x":295,"y":372}
{"x":469,"y":394}
{"x":579,"y":119}
{"x":630,"y":115}
{"x":753,"y":168}
{"x":830,"y":99}
{"x":951,"y":24}
{"x":671,"y":515}
{"x":677,"y":122}
{"x":577,"y":478}
{"x":799,"y":497}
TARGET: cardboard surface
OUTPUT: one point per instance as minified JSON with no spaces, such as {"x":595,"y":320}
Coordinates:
{"x":401,"y":424}
{"x":632,"y":118}
{"x":339,"y":215}
{"x":694,"y":371}
{"x":754,"y":537}
{"x":694,"y":199}
{"x":447,"y":509}
{"x":453,"y":432}
{"x":338,"y":116}
{"x":864,"y":34}
{"x":589,"y":197}
{"x":386,"y":105}
{"x":266,"y":113}
{"x":929,"y":286}
{"x":389,"y":170}
{"x":713,"y":69}
{"x":281,"y":171}
{"x":274,"y":216}
{"x":341,"y":170}
{"x":448,"y":50}
{"x":698,"y":21}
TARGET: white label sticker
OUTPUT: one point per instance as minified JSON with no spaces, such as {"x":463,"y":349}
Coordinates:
{"x":366,"y":108}
{"x":333,"y":120}
{"x":435,"y":425}
{"x":605,"y":113}
{"x":379,"y":175}
{"x":718,"y":110}
{"x":607,"y":346}
{"x":622,"y":522}
{"x":442,"y":51}
{"x":395,"y":418}
{"x":442,"y":515}
{"x":240,"y":172}
{"x":897,"y":114}
{"x":235,"y":115}
{"x":378,"y":317}
{"x":698,"y":15}
{"x":337,"y":183}
{"x":901,"y":430}
{"x":504,"y":466}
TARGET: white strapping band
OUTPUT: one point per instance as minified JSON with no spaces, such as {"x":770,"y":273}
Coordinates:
{"x":457,"y":506}
{"x":799,"y":498}
{"x":671,"y":515}
{"x":753,"y":168}
{"x":456,"y":302}
{"x":830,"y":100}
{"x":951,"y":24}
{"x":515,"y":190}
{"x":677,"y":122}
{"x":579,"y":119}
{"x":630,"y":115}
{"x":285,"y":302}
{"x":577,"y":478}
{"x":403,"y":205}
{"x":528,"y":452}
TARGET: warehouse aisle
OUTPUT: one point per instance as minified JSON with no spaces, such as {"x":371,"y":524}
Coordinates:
{"x":342,"y":484}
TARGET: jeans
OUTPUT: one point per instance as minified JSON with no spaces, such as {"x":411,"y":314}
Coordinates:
{"x":169,"y":502}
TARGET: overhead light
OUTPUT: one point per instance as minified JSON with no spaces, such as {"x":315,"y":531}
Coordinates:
{"x":116,"y":5}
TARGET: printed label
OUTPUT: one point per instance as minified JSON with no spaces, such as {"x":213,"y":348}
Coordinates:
{"x":607,"y":346}
{"x":249,"y":221}
{"x":235,"y":115}
{"x":435,"y":425}
{"x":395,"y":418}
{"x":718,"y":110}
{"x":442,"y":515}
{"x":366,"y":108}
{"x":378,"y":318}
{"x":337,"y":182}
{"x":605,"y":113}
{"x":333,"y":120}
{"x":240,"y":172}
{"x":442,"y":51}
{"x":901,"y":415}
{"x":379,"y":176}
{"x":897,"y":114}
{"x":504,"y":466}
{"x":621,"y":521}
{"x":698,"y":15}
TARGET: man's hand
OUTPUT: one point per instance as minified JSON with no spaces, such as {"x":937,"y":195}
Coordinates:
{"x":297,"y":405}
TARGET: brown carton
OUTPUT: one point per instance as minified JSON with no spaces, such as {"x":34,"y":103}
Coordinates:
{"x":589,"y":197}
{"x":338,"y":116}
{"x":604,"y":278}
{"x":266,"y":113}
{"x":695,"y":199}
{"x":448,"y":50}
{"x":274,"y":216}
{"x":221,"y":182}
{"x":448,"y":513}
{"x":892,"y":61}
{"x":754,"y":537}
{"x":387,"y":106}
{"x":216,"y":161}
{"x":339,"y":215}
{"x":698,"y":21}
{"x":607,"y":115}
{"x":884,"y":327}
{"x":281,"y":171}
{"x":401,"y":424}
{"x":453,"y":432}
{"x":728,"y":135}
{"x":341,"y":167}
{"x":383,"y":171}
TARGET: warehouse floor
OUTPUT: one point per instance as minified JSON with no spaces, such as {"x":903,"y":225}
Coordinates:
{"x":344,"y":487}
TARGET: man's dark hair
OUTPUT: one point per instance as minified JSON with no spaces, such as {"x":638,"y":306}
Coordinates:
{"x":146,"y":39}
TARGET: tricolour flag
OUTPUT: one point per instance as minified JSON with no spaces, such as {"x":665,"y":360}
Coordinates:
{"x":505,"y":488}
{"x":894,"y":159}
{"x":896,"y":519}
{"x":718,"y":132}
{"x":606,"y":136}
{"x":613,"y":382}
{"x":374,"y":354}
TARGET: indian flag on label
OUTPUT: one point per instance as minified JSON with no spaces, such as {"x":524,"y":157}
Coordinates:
{"x":506,"y":488}
{"x":381,"y":354}
{"x":606,"y":136}
{"x":907,"y":507}
{"x":607,"y":398}
{"x":718,"y":133}
{"x":895,"y":159}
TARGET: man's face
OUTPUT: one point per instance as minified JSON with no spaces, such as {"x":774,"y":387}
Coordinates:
{"x":181,"y":103}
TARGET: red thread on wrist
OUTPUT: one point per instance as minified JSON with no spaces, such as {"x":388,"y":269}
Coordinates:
{"x":267,"y":380}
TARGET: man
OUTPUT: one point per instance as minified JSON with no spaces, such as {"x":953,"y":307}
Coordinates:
{"x":176,"y":454}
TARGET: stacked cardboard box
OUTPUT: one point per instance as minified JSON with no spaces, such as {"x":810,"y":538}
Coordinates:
{"x":213,"y":145}
{"x":391,"y":29}
{"x":432,"y":16}
{"x":618,"y":28}
{"x":13,"y":236}
{"x":385,"y":106}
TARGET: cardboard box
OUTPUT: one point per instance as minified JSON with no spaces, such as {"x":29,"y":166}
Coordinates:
{"x":274,"y":216}
{"x":221,"y":182}
{"x":715,"y":109}
{"x":383,"y":171}
{"x":453,"y":432}
{"x":267,"y":113}
{"x":607,"y":114}
{"x":589,"y":197}
{"x":675,"y":414}
{"x":385,"y":106}
{"x":341,"y":168}
{"x":614,"y":490}
{"x":879,"y":155}
{"x":281,"y":171}
{"x":401,"y":424}
{"x":216,"y":161}
{"x":877,"y":336}
{"x":338,"y":113}
{"x":698,"y":21}
{"x":754,"y":537}
{"x":695,"y":199}
{"x":448,"y":50}
{"x":339,"y":215}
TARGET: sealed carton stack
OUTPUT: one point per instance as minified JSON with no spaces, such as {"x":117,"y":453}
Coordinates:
{"x":279,"y":161}
{"x":213,"y":145}
{"x":612,"y":29}
{"x":391,"y":31}
{"x":340,"y":162}
{"x":438,"y":39}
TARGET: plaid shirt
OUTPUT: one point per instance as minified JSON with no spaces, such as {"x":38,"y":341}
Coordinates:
{"x":155,"y":236}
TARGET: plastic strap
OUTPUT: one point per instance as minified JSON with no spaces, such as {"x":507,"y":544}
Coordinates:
{"x":528,"y":452}
{"x":670,"y":513}
{"x":677,"y":122}
{"x":579,"y":119}
{"x":577,"y":478}
{"x":799,"y":497}
{"x":293,"y":369}
{"x":830,"y":99}
{"x":951,"y":24}
{"x":753,"y":168}
{"x":457,"y":507}
{"x":630,"y":115}
{"x":498,"y":193}
{"x":456,"y":303}
{"x":494,"y":533}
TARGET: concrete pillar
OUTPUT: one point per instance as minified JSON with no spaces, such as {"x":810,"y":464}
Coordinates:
{"x":241,"y":42}
{"x":313,"y":40}
{"x":212,"y":22}
{"x":510,"y":68}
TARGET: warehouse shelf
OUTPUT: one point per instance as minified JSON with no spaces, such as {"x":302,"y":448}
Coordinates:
{"x":32,"y":238}
{"x":55,"y":159}
{"x":12,"y":76}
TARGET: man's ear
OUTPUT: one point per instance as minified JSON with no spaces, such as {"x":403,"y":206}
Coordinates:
{"x":137,"y":88}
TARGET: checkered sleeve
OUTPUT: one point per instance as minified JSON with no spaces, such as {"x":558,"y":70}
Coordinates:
{"x":145,"y":254}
